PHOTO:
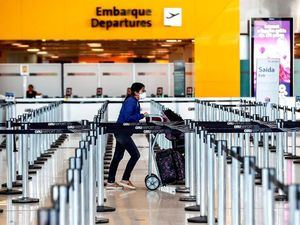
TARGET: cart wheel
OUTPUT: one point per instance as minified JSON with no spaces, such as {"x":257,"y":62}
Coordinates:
{"x":152,"y":182}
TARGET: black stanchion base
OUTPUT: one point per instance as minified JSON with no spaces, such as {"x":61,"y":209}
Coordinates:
{"x":182,"y":190}
{"x":187,"y":199}
{"x":39,"y":162}
{"x":198,"y":219}
{"x":10,"y":192}
{"x":46,"y":155}
{"x":192,"y":208}
{"x":15,"y":184}
{"x":287,"y":154}
{"x":34,"y":167}
{"x":19,"y":177}
{"x":43,"y":159}
{"x":107,"y":158}
{"x":280,"y":198}
{"x":258,"y":182}
{"x":105,"y":209}
{"x":32,"y":172}
{"x":292,"y":157}
{"x":54,"y":146}
{"x":24,"y":200}
{"x":101,"y":220}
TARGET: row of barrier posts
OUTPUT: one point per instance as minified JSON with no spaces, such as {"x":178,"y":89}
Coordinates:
{"x":76,"y":203}
{"x":33,"y":149}
{"x":211,"y":150}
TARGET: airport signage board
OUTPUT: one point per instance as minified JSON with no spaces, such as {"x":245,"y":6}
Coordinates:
{"x":173,"y":17}
{"x":273,"y":38}
{"x":24,"y":69}
{"x":107,"y":18}
{"x":267,"y":80}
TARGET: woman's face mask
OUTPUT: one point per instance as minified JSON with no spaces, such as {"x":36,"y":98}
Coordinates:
{"x":143,"y":95}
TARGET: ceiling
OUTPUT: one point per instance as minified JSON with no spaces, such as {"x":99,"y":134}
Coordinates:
{"x":97,"y":49}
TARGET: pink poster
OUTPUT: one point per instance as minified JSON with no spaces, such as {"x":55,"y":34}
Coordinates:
{"x":273,"y":38}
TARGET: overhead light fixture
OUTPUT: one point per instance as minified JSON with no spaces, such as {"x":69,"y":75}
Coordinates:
{"x":33,"y":50}
{"x":16,"y":44}
{"x":42,"y":53}
{"x":97,"y":49}
{"x":193,"y":41}
{"x":298,"y":44}
{"x":54,"y":56}
{"x":94,"y":45}
{"x":165,"y":45}
{"x":23,"y":46}
{"x":173,"y":41}
{"x":150,"y":56}
{"x":43,"y":40}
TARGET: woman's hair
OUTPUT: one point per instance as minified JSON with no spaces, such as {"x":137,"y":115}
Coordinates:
{"x":136,"y":87}
{"x":30,"y":86}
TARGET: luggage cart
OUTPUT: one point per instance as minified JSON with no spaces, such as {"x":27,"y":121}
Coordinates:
{"x":152,"y":180}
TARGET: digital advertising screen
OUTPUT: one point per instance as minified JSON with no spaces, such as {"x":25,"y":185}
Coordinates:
{"x":272,"y":38}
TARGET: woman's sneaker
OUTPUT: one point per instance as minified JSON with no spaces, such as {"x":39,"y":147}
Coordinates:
{"x":113,"y":186}
{"x":127,"y":184}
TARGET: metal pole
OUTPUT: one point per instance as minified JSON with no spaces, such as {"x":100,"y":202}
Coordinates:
{"x":211,"y":184}
{"x":268,"y":195}
{"x":294,"y":140}
{"x":9,"y":158}
{"x":294,"y":204}
{"x":25,"y":180}
{"x":279,"y":163}
{"x":249,"y":173}
{"x":100,"y":169}
{"x":222,"y":182}
{"x":235,"y":187}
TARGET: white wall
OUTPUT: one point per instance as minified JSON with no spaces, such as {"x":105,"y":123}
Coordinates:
{"x":84,"y":79}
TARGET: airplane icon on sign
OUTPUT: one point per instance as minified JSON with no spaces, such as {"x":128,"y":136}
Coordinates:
{"x":172,"y":15}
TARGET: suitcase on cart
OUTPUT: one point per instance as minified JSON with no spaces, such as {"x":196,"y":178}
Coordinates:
{"x":170,"y":164}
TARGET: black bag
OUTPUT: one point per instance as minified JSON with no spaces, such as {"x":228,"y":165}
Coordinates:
{"x":170,"y":165}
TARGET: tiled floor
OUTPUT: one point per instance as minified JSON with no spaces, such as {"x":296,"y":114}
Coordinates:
{"x":139,"y":207}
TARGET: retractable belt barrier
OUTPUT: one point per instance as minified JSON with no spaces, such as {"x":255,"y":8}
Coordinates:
{"x":223,"y":135}
{"x":31,"y":151}
{"x":218,"y":136}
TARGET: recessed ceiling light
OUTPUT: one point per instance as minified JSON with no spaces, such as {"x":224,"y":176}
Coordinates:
{"x":54,"y":56}
{"x":43,"y":40}
{"x":15,"y":44}
{"x":94,"y":45}
{"x":97,"y":49}
{"x":150,"y":56}
{"x":42,"y":53}
{"x":33,"y":50}
{"x":166,"y":45}
{"x":23,"y":46}
{"x":173,"y":41}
